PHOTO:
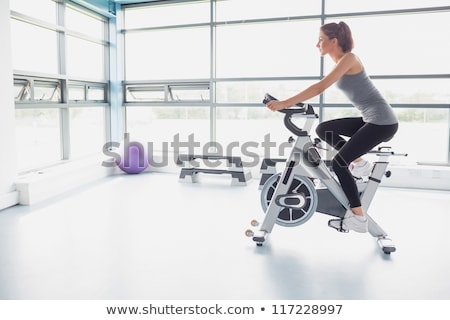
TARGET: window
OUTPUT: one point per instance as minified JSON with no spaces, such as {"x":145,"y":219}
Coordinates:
{"x":41,"y":9}
{"x":167,"y":14}
{"x":241,"y":49}
{"x":86,"y":130}
{"x":182,"y":92}
{"x":168,"y":54}
{"x":416,"y":38}
{"x":420,"y":129}
{"x":60,"y":81}
{"x":268,"y":50}
{"x":238,"y":92}
{"x":403,"y":91}
{"x":85,"y":23}
{"x":36,"y":90}
{"x":87,"y":92}
{"x":85,"y":59}
{"x":162,"y":126}
{"x":379,"y":5}
{"x":34,"y":48}
{"x":264,"y":9}
{"x":37,"y":137}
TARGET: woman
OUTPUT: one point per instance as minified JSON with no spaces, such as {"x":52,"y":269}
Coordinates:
{"x":377,"y":124}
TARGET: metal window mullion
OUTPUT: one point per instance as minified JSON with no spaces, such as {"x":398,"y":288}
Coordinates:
{"x":64,"y":120}
{"x":106,"y":53}
{"x":448,"y":144}
{"x":115,"y":114}
{"x":212,"y":86}
{"x":322,"y":66}
{"x":86,"y":92}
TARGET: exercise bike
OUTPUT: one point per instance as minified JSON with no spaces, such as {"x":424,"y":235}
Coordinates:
{"x":308,"y":185}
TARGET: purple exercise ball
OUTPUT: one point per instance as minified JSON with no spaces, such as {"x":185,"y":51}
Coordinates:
{"x":134,"y":158}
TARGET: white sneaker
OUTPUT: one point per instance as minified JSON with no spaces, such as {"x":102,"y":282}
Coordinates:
{"x":356,"y":223}
{"x":360,"y":169}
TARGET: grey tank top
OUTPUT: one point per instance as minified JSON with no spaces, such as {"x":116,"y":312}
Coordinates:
{"x":362,"y":93}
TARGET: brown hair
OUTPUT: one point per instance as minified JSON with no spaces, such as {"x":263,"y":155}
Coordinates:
{"x":341,"y":32}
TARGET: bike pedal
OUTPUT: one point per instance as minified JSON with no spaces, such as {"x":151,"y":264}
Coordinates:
{"x":338,"y":225}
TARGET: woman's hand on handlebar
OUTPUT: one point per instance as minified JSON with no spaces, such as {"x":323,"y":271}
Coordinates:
{"x":275,"y":105}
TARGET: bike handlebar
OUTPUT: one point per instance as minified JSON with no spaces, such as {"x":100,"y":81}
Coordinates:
{"x":299,"y":108}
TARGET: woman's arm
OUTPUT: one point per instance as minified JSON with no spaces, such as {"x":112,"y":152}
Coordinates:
{"x":347,"y":62}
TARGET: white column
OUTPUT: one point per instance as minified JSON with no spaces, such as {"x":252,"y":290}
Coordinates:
{"x":8,"y":161}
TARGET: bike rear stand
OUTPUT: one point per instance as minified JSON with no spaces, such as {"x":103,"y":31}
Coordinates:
{"x":385,"y":243}
{"x":191,"y":168}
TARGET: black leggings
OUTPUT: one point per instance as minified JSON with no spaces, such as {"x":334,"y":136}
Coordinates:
{"x":363,"y":137}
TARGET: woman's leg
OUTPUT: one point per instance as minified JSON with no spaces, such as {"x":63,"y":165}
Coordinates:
{"x":364,"y":140}
{"x":363,"y":137}
{"x":332,"y":131}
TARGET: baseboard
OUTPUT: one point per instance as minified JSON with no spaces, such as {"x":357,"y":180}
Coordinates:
{"x":9,"y":199}
{"x":44,"y":184}
{"x":419,"y":177}
{"x":402,"y":176}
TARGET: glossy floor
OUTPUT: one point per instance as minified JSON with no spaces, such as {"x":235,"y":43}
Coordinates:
{"x":149,"y":236}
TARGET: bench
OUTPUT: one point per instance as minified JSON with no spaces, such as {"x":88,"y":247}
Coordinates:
{"x":191,"y":168}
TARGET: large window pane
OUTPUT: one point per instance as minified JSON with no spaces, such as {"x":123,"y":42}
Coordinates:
{"x":85,"y":59}
{"x":333,"y":6}
{"x":87,"y":133}
{"x":258,"y":9}
{"x":422,"y":134}
{"x":249,"y":124}
{"x":244,"y":52}
{"x":33,"y":48}
{"x":168,"y":54}
{"x":264,"y":50}
{"x":167,"y":14}
{"x":84,"y":23}
{"x":248,"y":131}
{"x":37,"y":137}
{"x":44,"y":57}
{"x":254,"y":91}
{"x":423,"y":91}
{"x":40,"y":9}
{"x":162,"y":125}
{"x":414,"y":44}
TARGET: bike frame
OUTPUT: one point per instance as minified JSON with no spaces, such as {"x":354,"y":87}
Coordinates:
{"x":298,"y":164}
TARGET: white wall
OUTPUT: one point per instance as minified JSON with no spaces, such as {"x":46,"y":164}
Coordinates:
{"x":8,"y":168}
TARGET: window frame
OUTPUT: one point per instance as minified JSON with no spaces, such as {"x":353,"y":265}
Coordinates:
{"x":321,"y":18}
{"x":61,"y":81}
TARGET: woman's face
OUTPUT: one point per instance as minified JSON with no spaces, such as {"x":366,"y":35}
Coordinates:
{"x":324,"y":44}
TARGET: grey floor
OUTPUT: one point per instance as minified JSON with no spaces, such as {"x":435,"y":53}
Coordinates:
{"x":148,"y":236}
